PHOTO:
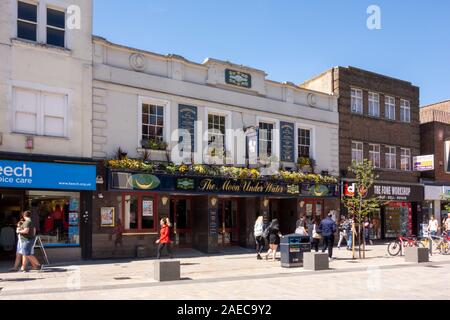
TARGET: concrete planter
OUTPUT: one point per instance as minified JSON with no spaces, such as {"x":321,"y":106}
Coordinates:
{"x":315,"y":261}
{"x":417,"y":255}
{"x":167,"y":270}
{"x":155,"y":155}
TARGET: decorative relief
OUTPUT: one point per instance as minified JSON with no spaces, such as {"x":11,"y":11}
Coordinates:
{"x":312,"y":99}
{"x":138,"y":62}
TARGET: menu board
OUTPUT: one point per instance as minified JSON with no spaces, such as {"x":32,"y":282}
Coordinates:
{"x":213,"y":222}
{"x":187,"y":116}
{"x":287,"y":145}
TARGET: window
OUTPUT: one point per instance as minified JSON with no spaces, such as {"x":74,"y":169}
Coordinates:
{"x":405,"y":159}
{"x":389,"y":108}
{"x":391,"y":157}
{"x":374,"y":104}
{"x":138,"y":211}
{"x":304,"y":143}
{"x":357,"y":100}
{"x":56,"y":21}
{"x":405,"y":111}
{"x":216,"y":135}
{"x":357,"y":151}
{"x":40,"y":113}
{"x":152,"y":123}
{"x":374,"y":154}
{"x":265,"y":139}
{"x":26,"y":21}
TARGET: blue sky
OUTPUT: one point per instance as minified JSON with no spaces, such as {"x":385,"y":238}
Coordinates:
{"x":292,"y":40}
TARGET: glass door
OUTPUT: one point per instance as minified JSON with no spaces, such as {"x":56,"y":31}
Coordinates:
{"x":228,"y":220}
{"x":180,"y":216}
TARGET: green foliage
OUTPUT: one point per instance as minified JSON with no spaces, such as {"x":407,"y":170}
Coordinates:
{"x":360,"y":205}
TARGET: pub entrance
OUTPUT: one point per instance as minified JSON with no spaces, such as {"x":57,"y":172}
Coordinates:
{"x":181,"y":217}
{"x":228,"y":222}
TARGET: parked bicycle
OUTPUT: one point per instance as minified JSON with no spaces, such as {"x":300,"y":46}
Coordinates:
{"x":439,"y":244}
{"x":396,"y":247}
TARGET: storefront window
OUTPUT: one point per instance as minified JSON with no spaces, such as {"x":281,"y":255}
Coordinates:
{"x":397,"y":219}
{"x":138,"y":212}
{"x":57,"y":216}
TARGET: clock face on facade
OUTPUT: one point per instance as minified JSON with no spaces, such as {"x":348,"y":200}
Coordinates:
{"x":238,"y":78}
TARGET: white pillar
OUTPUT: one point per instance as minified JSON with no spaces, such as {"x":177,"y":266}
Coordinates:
{"x":437,"y":210}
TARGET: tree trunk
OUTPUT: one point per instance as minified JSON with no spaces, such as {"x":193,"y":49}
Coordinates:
{"x":364,"y":243}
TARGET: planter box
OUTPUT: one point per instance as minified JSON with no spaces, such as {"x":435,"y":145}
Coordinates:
{"x":155,"y":155}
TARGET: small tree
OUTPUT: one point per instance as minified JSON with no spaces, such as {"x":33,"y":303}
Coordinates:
{"x":360,"y":204}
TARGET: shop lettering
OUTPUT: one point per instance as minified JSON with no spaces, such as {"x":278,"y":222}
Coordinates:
{"x":392,"y":191}
{"x":20,"y":174}
{"x":209,"y":185}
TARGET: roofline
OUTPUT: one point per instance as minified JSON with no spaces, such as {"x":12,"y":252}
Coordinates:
{"x":434,"y":104}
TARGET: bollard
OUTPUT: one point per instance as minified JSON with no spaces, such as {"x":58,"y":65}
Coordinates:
{"x":167,"y":270}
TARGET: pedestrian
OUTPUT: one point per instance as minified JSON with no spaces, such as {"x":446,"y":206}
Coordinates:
{"x":118,"y":231}
{"x":301,"y":227}
{"x":301,"y":222}
{"x":433,"y":226}
{"x":447,"y":225}
{"x":27,"y":238}
{"x":350,"y":231}
{"x":164,"y":238}
{"x":258,"y":231}
{"x":327,"y":229}
{"x":274,"y":238}
{"x":315,"y":236}
{"x":58,"y":217}
{"x":343,"y":228}
{"x":367,"y":230}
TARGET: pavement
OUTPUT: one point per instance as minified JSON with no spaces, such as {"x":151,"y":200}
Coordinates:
{"x":236,"y":274}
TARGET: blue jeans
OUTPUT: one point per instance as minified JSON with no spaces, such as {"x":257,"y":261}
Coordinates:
{"x":350,"y":239}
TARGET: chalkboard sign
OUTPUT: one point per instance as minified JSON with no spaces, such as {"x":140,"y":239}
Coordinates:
{"x":287,"y":139}
{"x":213,"y":222}
{"x":187,"y":115}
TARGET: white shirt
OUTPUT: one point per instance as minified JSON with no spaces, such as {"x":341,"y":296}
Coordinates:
{"x":433,"y":225}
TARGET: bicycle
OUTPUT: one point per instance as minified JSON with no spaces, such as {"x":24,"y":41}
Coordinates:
{"x":396,"y":247}
{"x":439,"y":243}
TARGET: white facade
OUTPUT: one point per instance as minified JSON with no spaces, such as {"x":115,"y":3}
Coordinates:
{"x":125,"y":78}
{"x":46,"y":90}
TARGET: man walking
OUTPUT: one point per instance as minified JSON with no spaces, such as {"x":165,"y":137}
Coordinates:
{"x":327,"y":229}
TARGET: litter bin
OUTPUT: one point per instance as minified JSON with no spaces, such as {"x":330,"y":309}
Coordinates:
{"x":292,"y":247}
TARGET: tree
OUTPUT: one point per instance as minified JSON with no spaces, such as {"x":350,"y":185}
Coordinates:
{"x":359,"y":204}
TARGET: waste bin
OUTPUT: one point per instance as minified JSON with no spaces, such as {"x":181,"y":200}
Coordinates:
{"x":292,"y":247}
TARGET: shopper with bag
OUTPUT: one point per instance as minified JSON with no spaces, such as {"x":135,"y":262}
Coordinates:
{"x":27,"y":238}
{"x":258,"y":231}
{"x":315,"y":236}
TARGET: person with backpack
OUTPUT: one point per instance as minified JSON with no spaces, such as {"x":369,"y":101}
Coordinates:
{"x":27,"y":238}
{"x":258,"y":231}
{"x":327,"y":229}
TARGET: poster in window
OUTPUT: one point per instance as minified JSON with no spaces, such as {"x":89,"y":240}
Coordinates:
{"x":147,"y":208}
{"x":74,"y":204}
{"x":73,"y":218}
{"x":107,"y":216}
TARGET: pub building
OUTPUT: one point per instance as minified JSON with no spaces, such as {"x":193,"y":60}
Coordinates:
{"x":379,"y":121}
{"x":141,"y":99}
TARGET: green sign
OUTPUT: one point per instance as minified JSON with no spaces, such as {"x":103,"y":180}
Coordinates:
{"x":145,"y":181}
{"x":238,"y":78}
{"x":319,"y":190}
{"x":185,"y":184}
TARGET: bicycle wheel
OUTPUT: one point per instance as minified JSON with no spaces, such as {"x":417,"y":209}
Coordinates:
{"x":444,"y":248}
{"x":394,"y":248}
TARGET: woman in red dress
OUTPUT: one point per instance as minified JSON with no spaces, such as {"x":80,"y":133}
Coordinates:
{"x":164,"y":238}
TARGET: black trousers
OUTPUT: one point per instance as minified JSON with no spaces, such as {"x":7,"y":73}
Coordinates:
{"x":315,"y":244}
{"x":328,"y":243}
{"x":161,"y":246}
{"x":260,"y":243}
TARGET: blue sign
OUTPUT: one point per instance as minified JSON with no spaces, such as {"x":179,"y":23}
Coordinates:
{"x":44,"y":175}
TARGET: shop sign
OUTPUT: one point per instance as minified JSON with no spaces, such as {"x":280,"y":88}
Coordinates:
{"x":145,"y":181}
{"x":44,"y":175}
{"x":187,"y":116}
{"x":287,"y":137}
{"x":238,"y":78}
{"x":424,"y":163}
{"x":388,"y":192}
{"x":319,"y":190}
{"x":392,"y":192}
{"x":293,"y":189}
{"x":185,"y":184}
{"x":240,"y":186}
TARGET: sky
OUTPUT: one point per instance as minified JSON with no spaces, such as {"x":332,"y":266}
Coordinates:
{"x":292,"y":40}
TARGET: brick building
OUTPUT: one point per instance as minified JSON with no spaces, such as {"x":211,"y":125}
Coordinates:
{"x":379,"y":120}
{"x":435,"y":140}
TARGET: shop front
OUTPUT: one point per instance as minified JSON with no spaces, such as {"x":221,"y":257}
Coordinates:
{"x":207,"y":213}
{"x":58,"y":195}
{"x":399,"y":212}
{"x":436,"y":203}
